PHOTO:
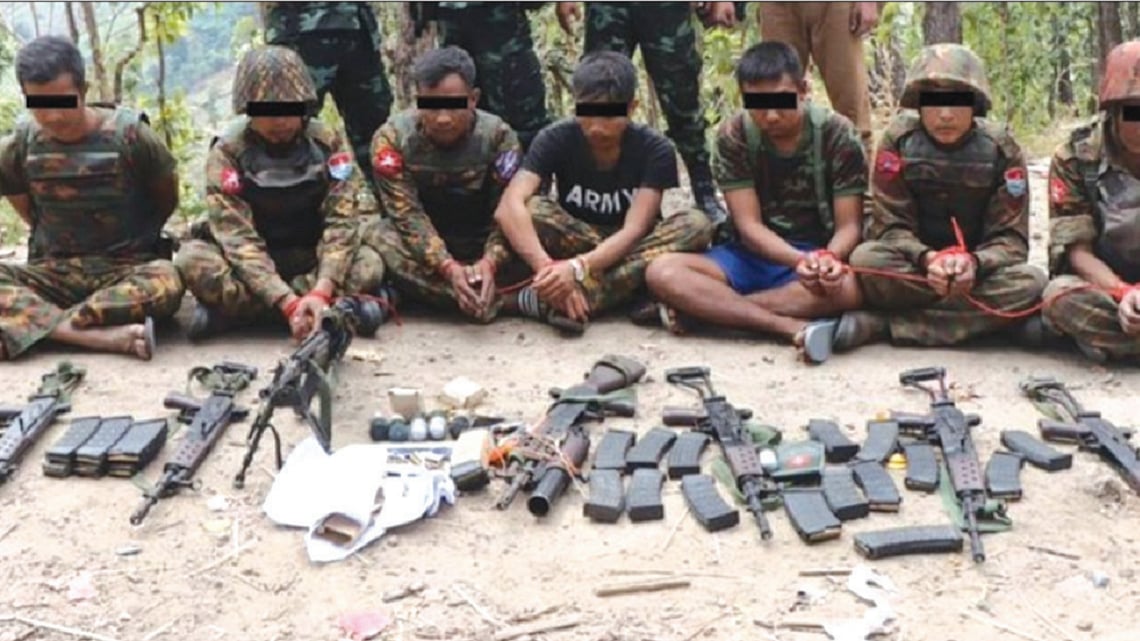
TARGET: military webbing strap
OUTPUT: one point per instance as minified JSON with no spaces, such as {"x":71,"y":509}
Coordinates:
{"x":62,"y":381}
{"x":993,"y":517}
{"x":817,"y":116}
{"x":215,"y":380}
{"x":623,"y":394}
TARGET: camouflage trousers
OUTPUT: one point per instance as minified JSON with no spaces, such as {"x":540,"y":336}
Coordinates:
{"x":667,"y":37}
{"x":214,"y":283}
{"x":416,"y":281}
{"x":90,"y":292}
{"x":507,"y":70}
{"x":348,"y":65}
{"x":918,"y":316}
{"x":563,"y":237}
{"x":1089,"y":316}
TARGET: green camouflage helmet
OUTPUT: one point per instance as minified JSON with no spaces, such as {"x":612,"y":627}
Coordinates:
{"x":945,"y":66}
{"x":1121,"y":79}
{"x":272,"y":74}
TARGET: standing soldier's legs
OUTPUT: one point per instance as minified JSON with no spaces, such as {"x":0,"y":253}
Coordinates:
{"x":507,"y":70}
{"x":783,"y":22}
{"x":94,"y":303}
{"x":1090,"y":317}
{"x":361,"y":90}
{"x":609,"y":27}
{"x":686,"y":231}
{"x":669,"y":46}
{"x":839,"y":56}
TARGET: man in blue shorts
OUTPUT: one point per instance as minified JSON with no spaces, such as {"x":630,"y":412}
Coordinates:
{"x":793,"y":175}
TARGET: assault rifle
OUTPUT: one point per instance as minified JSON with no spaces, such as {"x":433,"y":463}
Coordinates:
{"x":306,"y":373}
{"x":207,"y":419}
{"x":1086,"y":428}
{"x":544,"y":459}
{"x":27,"y":423}
{"x":949,"y":428}
{"x":723,"y":422}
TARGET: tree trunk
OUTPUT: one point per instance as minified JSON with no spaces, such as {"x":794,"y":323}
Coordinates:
{"x":1107,"y":29}
{"x":941,"y":22}
{"x":35,"y":19}
{"x":72,"y":27}
{"x":103,"y":90}
{"x":121,"y":65}
{"x":1064,"y":78}
{"x":1133,"y":20}
{"x":405,"y":54}
{"x":162,"y":82}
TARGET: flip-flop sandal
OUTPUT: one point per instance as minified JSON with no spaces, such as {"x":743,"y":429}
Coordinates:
{"x":645,"y":314}
{"x":565,"y":324}
{"x":818,"y":338}
{"x":148,"y":336}
{"x":671,"y":320}
{"x":844,"y":333}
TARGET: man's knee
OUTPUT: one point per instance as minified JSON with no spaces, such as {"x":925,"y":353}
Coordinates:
{"x":367,"y":271}
{"x":693,"y":229}
{"x":1028,"y":281}
{"x":1067,"y":298}
{"x":874,"y":254}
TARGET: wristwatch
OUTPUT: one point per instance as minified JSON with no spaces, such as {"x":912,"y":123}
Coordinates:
{"x":579,"y":267}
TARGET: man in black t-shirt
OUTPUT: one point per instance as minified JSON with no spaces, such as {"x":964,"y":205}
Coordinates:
{"x":590,"y":248}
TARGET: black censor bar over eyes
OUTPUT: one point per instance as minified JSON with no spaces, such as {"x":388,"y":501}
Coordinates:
{"x":441,"y":102}
{"x":55,"y":101}
{"x":946,"y":99}
{"x":273,"y":108}
{"x":601,"y":109}
{"x":770,"y":100}
{"x":1130,"y":113}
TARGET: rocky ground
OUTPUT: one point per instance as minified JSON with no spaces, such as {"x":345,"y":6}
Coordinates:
{"x":72,"y":565}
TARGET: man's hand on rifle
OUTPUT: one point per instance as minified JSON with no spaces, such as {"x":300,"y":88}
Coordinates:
{"x":302,"y":312}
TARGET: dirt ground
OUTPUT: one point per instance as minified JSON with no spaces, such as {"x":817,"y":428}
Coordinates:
{"x":484,"y":571}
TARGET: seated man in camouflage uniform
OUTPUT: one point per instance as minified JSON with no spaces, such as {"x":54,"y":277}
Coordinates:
{"x":286,"y":208}
{"x":440,"y":169}
{"x":1094,"y":221}
{"x":96,"y":186}
{"x":951,"y":209}
{"x":590,"y":247}
{"x":793,"y":176}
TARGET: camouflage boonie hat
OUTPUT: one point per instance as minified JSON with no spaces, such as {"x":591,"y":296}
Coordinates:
{"x":944,"y":65}
{"x":272,"y":74}
{"x":1121,"y":79}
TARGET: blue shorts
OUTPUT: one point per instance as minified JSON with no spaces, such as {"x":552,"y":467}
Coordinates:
{"x":746,"y":272}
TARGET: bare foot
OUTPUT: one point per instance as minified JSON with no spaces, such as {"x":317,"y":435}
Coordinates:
{"x":136,"y":339}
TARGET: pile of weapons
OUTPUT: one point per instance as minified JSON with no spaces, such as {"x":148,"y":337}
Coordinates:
{"x":121,"y":446}
{"x":817,"y":497}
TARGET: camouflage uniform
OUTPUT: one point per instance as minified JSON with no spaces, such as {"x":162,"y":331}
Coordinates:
{"x":563,"y":237}
{"x":276,"y":224}
{"x":93,"y":255}
{"x":507,"y":70}
{"x":667,"y":37}
{"x":440,"y":202}
{"x":1095,"y":199}
{"x":918,"y":186}
{"x":796,"y":193}
{"x":340,"y":43}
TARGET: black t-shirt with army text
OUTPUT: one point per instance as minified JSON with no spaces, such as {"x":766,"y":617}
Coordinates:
{"x":601,"y":197}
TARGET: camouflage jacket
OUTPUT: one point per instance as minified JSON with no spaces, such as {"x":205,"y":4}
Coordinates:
{"x":919,"y":186}
{"x":1094,"y":198}
{"x":256,"y":209}
{"x":284,"y":20}
{"x":93,"y":197}
{"x":442,"y":201}
{"x":788,"y":186}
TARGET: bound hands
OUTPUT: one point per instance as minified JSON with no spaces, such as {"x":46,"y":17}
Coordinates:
{"x":820,"y":271}
{"x":302,"y":312}
{"x":950,"y":271}
{"x":1128,"y":310}
{"x":473,"y":285}
{"x":555,"y":284}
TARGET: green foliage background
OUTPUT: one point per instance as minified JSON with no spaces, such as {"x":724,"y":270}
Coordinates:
{"x":1034,"y":51}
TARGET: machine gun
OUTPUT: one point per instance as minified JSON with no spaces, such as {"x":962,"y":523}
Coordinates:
{"x":307,"y":372}
{"x":544,"y":459}
{"x":947,"y":427}
{"x":1072,"y":423}
{"x":722,"y":421}
{"x":27,"y":423}
{"x":207,"y":420}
